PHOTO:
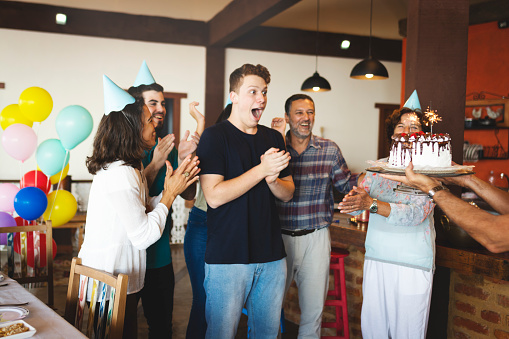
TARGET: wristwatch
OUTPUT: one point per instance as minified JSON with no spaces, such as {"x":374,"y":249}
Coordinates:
{"x":374,"y":206}
{"x":434,"y":190}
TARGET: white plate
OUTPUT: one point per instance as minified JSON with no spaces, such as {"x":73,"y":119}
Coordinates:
{"x":10,"y":313}
{"x":1,"y":276}
{"x":451,"y":171}
{"x":31,"y":330}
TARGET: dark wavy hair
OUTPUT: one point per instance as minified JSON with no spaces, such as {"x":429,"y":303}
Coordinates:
{"x":393,"y":119}
{"x":137,"y":92}
{"x":119,"y":137}
{"x":237,"y":76}
{"x":295,"y":97}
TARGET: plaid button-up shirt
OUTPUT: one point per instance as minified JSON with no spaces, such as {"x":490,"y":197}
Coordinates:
{"x":314,"y":171}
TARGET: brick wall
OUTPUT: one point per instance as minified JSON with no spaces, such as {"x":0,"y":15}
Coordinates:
{"x":478,"y":307}
{"x":353,"y":275}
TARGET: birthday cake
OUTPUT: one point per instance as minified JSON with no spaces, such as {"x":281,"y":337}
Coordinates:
{"x":424,"y":150}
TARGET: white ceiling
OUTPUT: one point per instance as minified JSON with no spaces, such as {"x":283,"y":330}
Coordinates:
{"x":336,"y":16}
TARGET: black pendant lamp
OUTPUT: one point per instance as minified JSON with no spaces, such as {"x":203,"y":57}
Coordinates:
{"x":369,"y":69}
{"x":316,"y":83}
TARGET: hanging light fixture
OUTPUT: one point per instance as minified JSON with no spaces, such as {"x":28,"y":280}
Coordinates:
{"x":369,"y":69}
{"x":316,"y":83}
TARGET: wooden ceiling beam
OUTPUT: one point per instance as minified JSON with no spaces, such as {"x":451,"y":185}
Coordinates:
{"x":41,"y":18}
{"x":240,"y":17}
{"x":285,"y":40}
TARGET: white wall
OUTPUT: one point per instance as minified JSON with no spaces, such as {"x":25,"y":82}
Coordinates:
{"x":70,"y":68}
{"x":347,"y":113}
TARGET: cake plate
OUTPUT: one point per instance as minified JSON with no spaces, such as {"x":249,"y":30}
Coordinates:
{"x":451,"y":171}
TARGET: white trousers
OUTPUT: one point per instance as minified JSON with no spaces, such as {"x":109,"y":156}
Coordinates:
{"x":308,"y":261}
{"x":396,"y":301}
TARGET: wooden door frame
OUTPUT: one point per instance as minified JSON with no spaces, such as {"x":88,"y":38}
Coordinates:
{"x":176,"y":112}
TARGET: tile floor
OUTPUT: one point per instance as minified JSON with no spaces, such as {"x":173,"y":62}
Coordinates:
{"x":182,"y":302}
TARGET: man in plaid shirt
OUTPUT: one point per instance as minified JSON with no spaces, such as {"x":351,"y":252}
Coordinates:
{"x":316,"y":165}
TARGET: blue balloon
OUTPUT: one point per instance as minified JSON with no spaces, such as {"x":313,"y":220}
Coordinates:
{"x":30,"y":203}
{"x":51,"y":157}
{"x":74,"y":124}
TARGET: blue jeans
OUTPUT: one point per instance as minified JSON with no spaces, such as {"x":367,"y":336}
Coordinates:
{"x":195,"y":242}
{"x":259,"y":286}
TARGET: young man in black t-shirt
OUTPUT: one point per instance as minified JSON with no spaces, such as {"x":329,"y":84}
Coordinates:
{"x":243,"y":170}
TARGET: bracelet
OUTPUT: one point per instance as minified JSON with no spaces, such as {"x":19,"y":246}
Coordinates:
{"x":434,"y":190}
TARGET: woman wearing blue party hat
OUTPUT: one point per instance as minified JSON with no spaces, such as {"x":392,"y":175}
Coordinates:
{"x":400,"y":245}
{"x":121,"y":220}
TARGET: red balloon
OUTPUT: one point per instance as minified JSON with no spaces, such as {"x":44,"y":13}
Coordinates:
{"x":30,"y":248}
{"x":30,"y":178}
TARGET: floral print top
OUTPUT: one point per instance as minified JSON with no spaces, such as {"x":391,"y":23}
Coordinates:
{"x":407,"y":236}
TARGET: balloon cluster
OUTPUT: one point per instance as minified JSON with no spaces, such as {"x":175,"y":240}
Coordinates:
{"x":33,"y":200}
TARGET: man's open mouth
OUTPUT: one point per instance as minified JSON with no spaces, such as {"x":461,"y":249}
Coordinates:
{"x":257,"y":113}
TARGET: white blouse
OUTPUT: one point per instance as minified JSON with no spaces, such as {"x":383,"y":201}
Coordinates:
{"x":121,"y":223}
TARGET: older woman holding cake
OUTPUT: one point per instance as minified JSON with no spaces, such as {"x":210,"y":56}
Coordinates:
{"x":400,"y":245}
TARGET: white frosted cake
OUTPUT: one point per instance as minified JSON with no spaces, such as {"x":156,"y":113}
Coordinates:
{"x":425,"y":150}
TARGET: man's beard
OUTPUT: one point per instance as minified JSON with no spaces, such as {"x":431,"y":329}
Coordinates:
{"x":295,"y":131}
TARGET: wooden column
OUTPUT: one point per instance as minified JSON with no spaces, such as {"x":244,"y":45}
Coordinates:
{"x":214,"y":84}
{"x":436,"y":64}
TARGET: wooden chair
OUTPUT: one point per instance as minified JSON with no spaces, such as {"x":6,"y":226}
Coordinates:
{"x":110,"y":321}
{"x":40,"y":274}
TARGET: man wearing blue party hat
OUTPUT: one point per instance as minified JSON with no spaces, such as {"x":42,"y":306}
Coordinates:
{"x":119,"y":225}
{"x":157,"y":295}
{"x":400,"y":244}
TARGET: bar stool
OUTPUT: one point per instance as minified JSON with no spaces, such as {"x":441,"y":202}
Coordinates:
{"x":337,"y":264}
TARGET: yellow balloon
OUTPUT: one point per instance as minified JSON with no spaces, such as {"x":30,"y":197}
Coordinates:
{"x":12,"y":115}
{"x":64,"y":207}
{"x":35,"y":103}
{"x":56,"y":177}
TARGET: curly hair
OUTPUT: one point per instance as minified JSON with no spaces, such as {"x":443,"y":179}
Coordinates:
{"x":295,"y":97}
{"x":393,"y":119}
{"x":237,"y":76}
{"x":119,"y":137}
{"x":137,"y":92}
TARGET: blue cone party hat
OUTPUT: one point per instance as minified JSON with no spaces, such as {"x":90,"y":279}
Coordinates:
{"x":413,"y":102}
{"x":115,"y":98}
{"x":144,"y":76}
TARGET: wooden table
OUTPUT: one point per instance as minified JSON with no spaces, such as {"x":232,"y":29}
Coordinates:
{"x":47,"y":323}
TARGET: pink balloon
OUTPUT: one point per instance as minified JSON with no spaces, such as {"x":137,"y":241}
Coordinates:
{"x":19,"y":141}
{"x":7,"y":194}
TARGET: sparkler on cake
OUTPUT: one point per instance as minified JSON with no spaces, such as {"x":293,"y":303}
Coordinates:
{"x":432,"y":118}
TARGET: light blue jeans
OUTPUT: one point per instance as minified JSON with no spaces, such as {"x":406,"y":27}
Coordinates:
{"x":259,"y":286}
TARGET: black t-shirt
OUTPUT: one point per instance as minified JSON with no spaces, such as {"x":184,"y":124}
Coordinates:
{"x":245,"y":230}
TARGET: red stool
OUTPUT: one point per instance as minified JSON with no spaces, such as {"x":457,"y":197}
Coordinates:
{"x":337,"y":264}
